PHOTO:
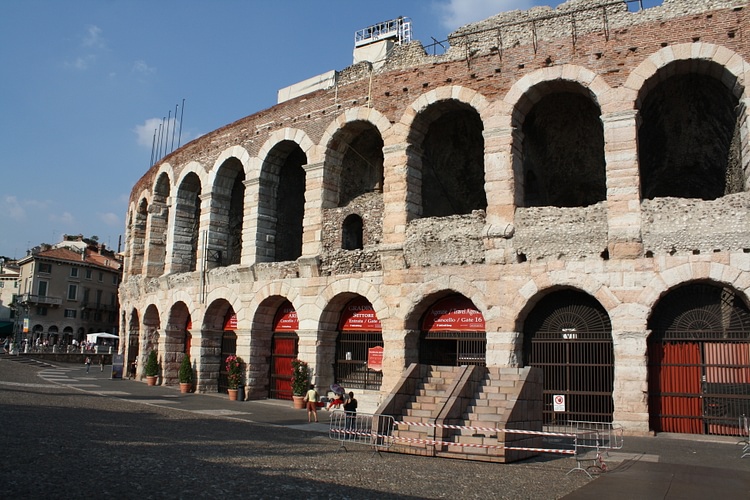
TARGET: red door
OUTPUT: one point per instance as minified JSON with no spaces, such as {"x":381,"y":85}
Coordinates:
{"x":283,"y":351}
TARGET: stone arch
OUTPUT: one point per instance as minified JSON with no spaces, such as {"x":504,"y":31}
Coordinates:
{"x":150,"y":331}
{"x":336,"y":295}
{"x":138,"y":237}
{"x":445,"y":146}
{"x":281,"y":197}
{"x":436,"y":289}
{"x":226,"y":212}
{"x":701,"y":88}
{"x":158,"y":222}
{"x":177,"y":341}
{"x":186,"y":227}
{"x":553,"y":162}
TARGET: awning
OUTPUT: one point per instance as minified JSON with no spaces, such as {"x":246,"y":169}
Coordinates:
{"x":92,"y":337}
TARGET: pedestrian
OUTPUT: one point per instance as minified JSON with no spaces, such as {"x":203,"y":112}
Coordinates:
{"x":133,"y":367}
{"x":6,"y":345}
{"x":350,"y":410}
{"x":88,"y":363}
{"x":311,"y":398}
{"x":101,"y":363}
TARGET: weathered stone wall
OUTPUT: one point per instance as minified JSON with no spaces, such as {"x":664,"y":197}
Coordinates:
{"x":625,"y":252}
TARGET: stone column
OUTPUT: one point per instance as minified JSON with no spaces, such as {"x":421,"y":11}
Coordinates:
{"x":312,"y":225}
{"x":623,"y":184}
{"x":631,"y":381}
{"x":208,"y":360}
{"x":250,"y":222}
{"x":258,"y":365}
{"x":499,"y":189}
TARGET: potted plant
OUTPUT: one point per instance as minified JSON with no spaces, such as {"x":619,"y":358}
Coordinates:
{"x":186,"y":375}
{"x":152,"y":368}
{"x":300,"y":382}
{"x":234,"y":376}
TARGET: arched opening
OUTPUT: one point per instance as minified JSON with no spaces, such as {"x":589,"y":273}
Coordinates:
{"x":359,"y":332}
{"x":138,"y":238}
{"x":452,"y":176}
{"x":158,"y":227}
{"x":133,"y":341}
{"x":228,"y":347}
{"x":699,"y":361}
{"x":362,"y":161}
{"x":568,"y":335}
{"x":186,"y":225}
{"x":563,"y":149}
{"x":227,"y":214}
{"x":689,"y":138}
{"x":351,"y":233}
{"x":281,"y":204}
{"x":284,"y":348}
{"x":177,"y":340}
{"x":453,"y":333}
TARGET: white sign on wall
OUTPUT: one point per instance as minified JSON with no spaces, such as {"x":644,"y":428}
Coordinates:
{"x":558,"y":401}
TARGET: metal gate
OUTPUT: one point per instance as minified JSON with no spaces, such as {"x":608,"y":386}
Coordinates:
{"x":699,"y":361}
{"x":228,"y":347}
{"x":453,"y":348}
{"x":569,"y":336}
{"x":283,"y":351}
{"x":351,"y":367}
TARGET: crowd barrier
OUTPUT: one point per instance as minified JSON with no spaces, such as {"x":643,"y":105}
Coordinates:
{"x":369,"y":429}
{"x":588,"y":442}
{"x":745,"y":433}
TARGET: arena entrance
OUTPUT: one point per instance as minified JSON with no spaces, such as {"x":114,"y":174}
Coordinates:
{"x":228,"y":348}
{"x":284,"y":346}
{"x":569,"y":336}
{"x":359,"y":332}
{"x":699,"y":361}
{"x":453,"y":334}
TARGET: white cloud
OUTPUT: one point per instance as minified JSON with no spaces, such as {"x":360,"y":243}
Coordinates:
{"x":110,"y":219}
{"x":63,"y":218}
{"x":93,"y":38}
{"x":147,"y":134}
{"x":140,"y":66}
{"x":13,"y":209}
{"x":456,"y":13}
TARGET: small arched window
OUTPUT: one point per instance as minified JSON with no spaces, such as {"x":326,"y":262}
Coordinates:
{"x":351,"y":235}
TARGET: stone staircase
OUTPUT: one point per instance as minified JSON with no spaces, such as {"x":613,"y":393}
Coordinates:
{"x":423,"y":408}
{"x":477,"y":399}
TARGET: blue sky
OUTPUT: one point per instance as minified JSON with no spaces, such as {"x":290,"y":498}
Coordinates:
{"x":86,"y":82}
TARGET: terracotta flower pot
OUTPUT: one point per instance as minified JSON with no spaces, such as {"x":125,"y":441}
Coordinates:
{"x":232,"y":394}
{"x":151,"y":380}
{"x":185,"y":387}
{"x":299,"y":402}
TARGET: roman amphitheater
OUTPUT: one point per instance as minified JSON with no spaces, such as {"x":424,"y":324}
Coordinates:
{"x":550,"y":218}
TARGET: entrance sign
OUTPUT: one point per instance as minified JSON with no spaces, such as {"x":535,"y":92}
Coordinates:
{"x":375,"y":358}
{"x":359,"y":316}
{"x":456,"y":314}
{"x":286,"y":318}
{"x":230,"y":323}
{"x":558,"y":402}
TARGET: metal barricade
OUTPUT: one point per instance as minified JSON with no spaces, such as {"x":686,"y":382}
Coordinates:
{"x":375,"y":431}
{"x":745,"y":433}
{"x":592,"y":442}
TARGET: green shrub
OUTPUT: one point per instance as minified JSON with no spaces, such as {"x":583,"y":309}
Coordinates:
{"x":152,"y":365}
{"x":186,"y":371}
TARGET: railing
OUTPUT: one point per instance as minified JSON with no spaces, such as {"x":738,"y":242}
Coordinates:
{"x":39,"y":299}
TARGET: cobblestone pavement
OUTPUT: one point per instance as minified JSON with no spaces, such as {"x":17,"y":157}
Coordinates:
{"x":67,"y":434}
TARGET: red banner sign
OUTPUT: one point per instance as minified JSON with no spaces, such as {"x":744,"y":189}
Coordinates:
{"x":286,"y":318}
{"x":375,"y":358}
{"x":358,"y":315}
{"x":455,"y":314}
{"x":230,"y":322}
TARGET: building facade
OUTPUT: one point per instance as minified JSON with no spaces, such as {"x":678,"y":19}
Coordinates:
{"x":66,"y":291}
{"x":8,"y":290}
{"x":563,"y":188}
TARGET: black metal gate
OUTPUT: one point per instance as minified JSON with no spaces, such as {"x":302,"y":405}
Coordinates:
{"x":351,"y":367}
{"x":699,"y":361}
{"x":453,"y":348}
{"x":569,"y":336}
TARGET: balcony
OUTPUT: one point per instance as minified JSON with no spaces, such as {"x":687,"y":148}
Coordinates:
{"x":39,"y":300}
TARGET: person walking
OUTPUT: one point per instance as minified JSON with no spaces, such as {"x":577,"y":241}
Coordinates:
{"x":101,"y":362}
{"x":88,"y":363}
{"x":312,"y":403}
